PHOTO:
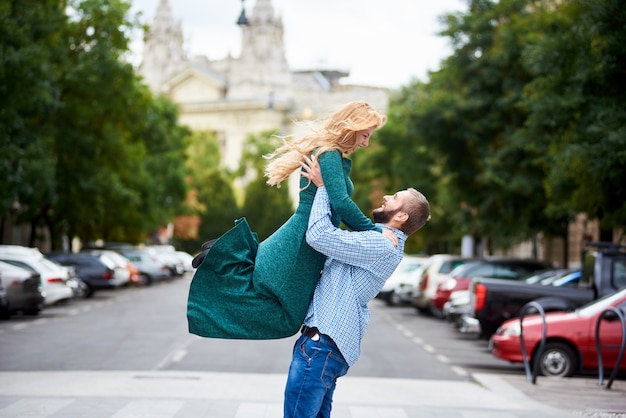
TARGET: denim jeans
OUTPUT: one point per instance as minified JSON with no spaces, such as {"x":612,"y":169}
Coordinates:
{"x":315,"y":367}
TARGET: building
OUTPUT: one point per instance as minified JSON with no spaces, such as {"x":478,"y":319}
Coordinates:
{"x":237,"y":96}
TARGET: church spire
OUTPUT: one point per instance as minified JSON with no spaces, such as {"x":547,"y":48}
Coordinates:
{"x":163,"y":53}
{"x":262,"y":69}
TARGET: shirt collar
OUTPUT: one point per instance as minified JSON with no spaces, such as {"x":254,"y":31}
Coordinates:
{"x":401,"y":235}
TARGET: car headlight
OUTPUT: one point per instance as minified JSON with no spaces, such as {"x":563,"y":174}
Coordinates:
{"x":512,"y":330}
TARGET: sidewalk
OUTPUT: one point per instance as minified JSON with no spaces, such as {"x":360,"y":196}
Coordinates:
{"x":233,"y":395}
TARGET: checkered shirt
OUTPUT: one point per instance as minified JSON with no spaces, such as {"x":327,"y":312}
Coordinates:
{"x":356,"y":269}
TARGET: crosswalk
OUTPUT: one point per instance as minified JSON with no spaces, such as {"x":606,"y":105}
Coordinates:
{"x":163,"y":394}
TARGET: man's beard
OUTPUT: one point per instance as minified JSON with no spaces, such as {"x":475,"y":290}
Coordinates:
{"x":382,"y":216}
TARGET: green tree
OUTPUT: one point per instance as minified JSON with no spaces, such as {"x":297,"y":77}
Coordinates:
{"x":266,"y":208}
{"x":215,"y":201}
{"x":119,"y":152}
{"x":91,"y":153}
{"x":576,"y":101}
{"x":31,"y":43}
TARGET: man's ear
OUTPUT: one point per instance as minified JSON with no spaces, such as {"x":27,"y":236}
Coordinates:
{"x":401,"y":217}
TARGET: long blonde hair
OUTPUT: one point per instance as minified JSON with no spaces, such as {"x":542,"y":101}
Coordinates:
{"x":338,"y":132}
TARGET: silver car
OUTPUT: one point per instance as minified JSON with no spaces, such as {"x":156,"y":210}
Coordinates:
{"x":24,"y":291}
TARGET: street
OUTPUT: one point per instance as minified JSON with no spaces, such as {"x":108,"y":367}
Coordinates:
{"x":127,"y":353}
{"x":145,"y":328}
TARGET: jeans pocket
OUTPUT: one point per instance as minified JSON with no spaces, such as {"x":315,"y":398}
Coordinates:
{"x":334,"y":367}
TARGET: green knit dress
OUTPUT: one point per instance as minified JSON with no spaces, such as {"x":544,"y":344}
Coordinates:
{"x":249,"y":290}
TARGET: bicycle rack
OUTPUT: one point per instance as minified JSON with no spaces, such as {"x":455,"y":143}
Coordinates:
{"x":531,"y":376}
{"x":620,"y":315}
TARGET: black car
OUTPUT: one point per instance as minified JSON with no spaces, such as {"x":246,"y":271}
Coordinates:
{"x":91,"y":269}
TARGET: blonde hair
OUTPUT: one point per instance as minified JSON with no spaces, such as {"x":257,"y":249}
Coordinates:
{"x":338,"y":132}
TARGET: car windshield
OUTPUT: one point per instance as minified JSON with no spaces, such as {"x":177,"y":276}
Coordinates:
{"x":601,"y":304}
{"x":463,"y":268}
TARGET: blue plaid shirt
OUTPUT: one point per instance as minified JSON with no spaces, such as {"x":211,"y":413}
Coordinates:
{"x":357,"y":267}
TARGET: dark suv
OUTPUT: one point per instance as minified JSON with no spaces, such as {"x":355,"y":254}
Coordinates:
{"x":90,"y":269}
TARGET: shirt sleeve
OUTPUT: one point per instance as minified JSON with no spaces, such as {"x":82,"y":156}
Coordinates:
{"x":335,"y":184}
{"x":358,"y":248}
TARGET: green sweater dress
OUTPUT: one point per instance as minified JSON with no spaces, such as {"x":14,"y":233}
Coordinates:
{"x":249,"y":290}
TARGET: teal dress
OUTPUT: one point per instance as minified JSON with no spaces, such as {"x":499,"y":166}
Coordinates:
{"x":249,"y":290}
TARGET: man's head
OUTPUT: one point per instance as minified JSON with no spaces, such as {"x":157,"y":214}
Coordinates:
{"x":407,"y":210}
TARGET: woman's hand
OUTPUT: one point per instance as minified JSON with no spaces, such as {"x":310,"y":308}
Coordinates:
{"x":391,"y":236}
{"x":312,"y":171}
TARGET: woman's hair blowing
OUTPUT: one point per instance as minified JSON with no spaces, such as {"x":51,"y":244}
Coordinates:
{"x":337,"y":132}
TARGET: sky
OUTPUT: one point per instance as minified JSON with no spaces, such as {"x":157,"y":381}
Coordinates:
{"x":381,"y":43}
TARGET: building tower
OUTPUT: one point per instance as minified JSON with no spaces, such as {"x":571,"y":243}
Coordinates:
{"x":262,"y":69}
{"x":163,"y":53}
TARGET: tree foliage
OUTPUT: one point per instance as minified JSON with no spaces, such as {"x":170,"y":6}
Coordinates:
{"x":215,"y":202}
{"x":520,"y":129}
{"x":91,"y":154}
{"x":266,"y":208}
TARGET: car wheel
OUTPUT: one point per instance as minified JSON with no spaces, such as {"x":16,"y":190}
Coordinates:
{"x":393,"y":299}
{"x":558,"y":360}
{"x":89,"y":291}
{"x":146,"y":280}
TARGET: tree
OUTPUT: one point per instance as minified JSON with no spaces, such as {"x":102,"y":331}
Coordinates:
{"x":91,"y":152}
{"x":31,"y":43}
{"x":576,"y":101}
{"x":214,"y":202}
{"x":266,"y":208}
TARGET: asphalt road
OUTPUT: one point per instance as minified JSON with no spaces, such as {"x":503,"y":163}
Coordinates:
{"x":145,"y":328}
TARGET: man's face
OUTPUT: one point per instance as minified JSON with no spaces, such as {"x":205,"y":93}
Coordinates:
{"x":391,"y":205}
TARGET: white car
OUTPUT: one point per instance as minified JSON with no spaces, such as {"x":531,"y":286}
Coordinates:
{"x":399,"y":286}
{"x":54,"y":278}
{"x":435,"y":271}
{"x":186,"y":259}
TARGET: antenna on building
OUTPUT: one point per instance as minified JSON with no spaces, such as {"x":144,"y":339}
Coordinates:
{"x":243,"y":20}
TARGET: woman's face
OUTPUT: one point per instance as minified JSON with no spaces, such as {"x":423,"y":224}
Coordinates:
{"x":362,"y":139}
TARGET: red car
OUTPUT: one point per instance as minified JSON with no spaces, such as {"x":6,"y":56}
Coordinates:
{"x":570,"y":338}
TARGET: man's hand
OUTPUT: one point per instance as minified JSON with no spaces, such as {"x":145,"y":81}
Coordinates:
{"x":312,"y":171}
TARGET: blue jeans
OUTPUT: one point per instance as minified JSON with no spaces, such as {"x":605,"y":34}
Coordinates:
{"x":315,"y":368}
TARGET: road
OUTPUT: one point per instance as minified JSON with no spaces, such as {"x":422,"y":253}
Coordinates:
{"x":127,"y":353}
{"x":144,"y":328}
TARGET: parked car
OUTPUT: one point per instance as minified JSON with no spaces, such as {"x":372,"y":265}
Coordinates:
{"x":96,"y":271}
{"x":125,"y":271}
{"x":570,"y":345}
{"x":186,"y":259}
{"x":5,"y":313}
{"x":460,"y":304}
{"x":394,"y":291}
{"x":500,"y":268}
{"x":436,"y":270}
{"x":54,"y":279}
{"x":494,"y":301}
{"x":151,"y":267}
{"x":168,"y":254}
{"x":24,"y":292}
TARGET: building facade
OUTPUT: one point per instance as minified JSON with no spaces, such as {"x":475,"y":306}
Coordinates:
{"x":237,"y":96}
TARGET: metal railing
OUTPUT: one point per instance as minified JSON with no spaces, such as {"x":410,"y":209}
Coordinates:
{"x":531,"y":375}
{"x":607,"y":313}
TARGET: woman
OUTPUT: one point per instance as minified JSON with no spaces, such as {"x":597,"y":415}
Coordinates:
{"x":243,"y":289}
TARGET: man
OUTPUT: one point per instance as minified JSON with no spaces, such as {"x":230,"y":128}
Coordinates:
{"x":357,"y":266}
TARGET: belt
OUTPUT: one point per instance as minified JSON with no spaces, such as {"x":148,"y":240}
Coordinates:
{"x":311,"y":332}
